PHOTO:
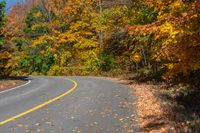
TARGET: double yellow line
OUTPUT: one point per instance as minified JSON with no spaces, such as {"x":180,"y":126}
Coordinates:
{"x":41,"y":105}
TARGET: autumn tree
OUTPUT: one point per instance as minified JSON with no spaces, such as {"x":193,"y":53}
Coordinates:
{"x":5,"y":56}
{"x":87,"y":34}
{"x":176,"y":34}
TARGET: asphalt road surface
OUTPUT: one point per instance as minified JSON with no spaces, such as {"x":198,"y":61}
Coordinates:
{"x":60,"y":105}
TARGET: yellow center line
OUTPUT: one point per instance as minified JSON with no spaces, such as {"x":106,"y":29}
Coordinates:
{"x":41,"y":105}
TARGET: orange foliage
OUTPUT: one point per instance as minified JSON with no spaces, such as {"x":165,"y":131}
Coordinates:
{"x":177,"y":27}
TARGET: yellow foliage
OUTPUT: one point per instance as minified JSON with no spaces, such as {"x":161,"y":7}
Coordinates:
{"x":167,"y":28}
{"x":136,"y":57}
{"x":68,"y":37}
{"x":54,"y":70}
{"x":37,"y":14}
{"x":42,"y":40}
{"x":177,"y":4}
{"x":5,"y":63}
{"x":64,"y":58}
{"x":38,"y":26}
{"x":170,"y":66}
{"x":85,"y":44}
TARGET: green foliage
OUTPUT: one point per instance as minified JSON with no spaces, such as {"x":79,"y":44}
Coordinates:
{"x":20,"y":43}
{"x":37,"y":63}
{"x":185,"y":91}
{"x":36,"y":23}
{"x":2,"y":41}
{"x":2,"y":21}
{"x":142,"y":14}
{"x":2,"y":13}
{"x":106,"y":62}
{"x":148,"y":73}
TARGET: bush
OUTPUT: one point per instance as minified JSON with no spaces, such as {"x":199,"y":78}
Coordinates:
{"x":147,"y":73}
{"x":54,"y":71}
{"x":106,"y":62}
{"x":37,"y":63}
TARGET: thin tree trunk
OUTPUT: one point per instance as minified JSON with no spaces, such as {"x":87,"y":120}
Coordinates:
{"x":144,"y":56}
{"x":100,"y":32}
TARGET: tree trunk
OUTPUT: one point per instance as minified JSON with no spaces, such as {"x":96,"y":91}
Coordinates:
{"x":100,"y":32}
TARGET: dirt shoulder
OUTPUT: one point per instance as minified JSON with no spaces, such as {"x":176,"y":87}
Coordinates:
{"x":151,"y":111}
{"x":6,"y":84}
{"x":161,"y":110}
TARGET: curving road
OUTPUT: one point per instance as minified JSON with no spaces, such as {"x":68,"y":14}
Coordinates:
{"x":57,"y":105}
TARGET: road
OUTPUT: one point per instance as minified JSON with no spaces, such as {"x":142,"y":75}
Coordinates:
{"x":68,"y":105}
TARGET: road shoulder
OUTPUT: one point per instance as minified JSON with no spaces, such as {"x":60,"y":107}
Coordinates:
{"x":151,"y":114}
{"x":6,"y":84}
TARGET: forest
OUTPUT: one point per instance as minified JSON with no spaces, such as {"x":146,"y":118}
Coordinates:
{"x":65,"y":37}
{"x":157,"y":40}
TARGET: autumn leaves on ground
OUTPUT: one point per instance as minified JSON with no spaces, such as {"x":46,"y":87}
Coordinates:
{"x":156,"y":41}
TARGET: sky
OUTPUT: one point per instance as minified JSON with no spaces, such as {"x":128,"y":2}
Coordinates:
{"x":11,"y":2}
